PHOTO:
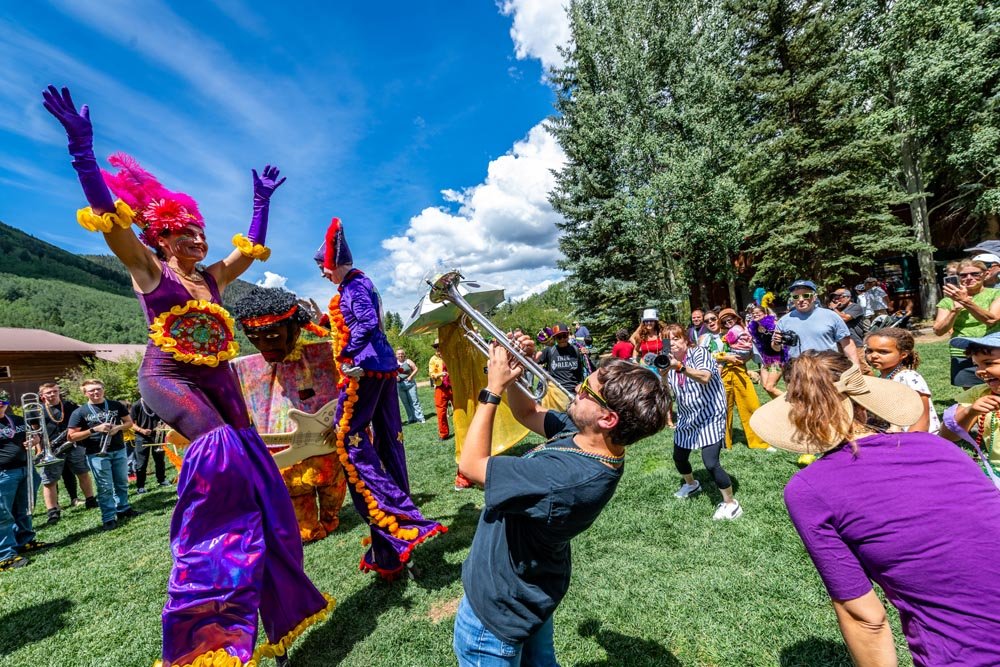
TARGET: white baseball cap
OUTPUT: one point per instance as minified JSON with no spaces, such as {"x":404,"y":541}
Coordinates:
{"x":987,"y":257}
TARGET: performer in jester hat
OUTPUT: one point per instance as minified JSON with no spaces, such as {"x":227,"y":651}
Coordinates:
{"x":375,"y":464}
{"x":291,"y":373}
{"x":233,"y":535}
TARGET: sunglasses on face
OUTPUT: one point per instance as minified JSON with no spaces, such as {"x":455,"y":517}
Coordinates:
{"x":974,"y":274}
{"x":803,"y":297}
{"x":711,"y":319}
{"x":586,"y":390}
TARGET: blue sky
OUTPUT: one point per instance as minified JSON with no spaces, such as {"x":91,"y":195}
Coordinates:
{"x":416,"y":123}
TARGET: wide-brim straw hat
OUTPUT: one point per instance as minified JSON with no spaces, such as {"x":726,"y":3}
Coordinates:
{"x":894,"y":402}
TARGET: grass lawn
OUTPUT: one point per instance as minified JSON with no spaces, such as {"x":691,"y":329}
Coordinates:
{"x":655,"y":582}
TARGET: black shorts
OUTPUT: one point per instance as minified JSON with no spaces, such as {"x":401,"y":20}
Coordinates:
{"x":75,"y":458}
{"x":963,"y":372}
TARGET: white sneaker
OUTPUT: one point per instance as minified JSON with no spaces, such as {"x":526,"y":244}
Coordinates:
{"x":728,"y":511}
{"x":688,"y":490}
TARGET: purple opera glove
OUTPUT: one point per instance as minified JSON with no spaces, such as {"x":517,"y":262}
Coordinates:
{"x":80,"y":133}
{"x":263,"y":187}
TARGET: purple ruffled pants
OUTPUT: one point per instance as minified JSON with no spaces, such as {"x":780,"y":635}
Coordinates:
{"x":234,"y":537}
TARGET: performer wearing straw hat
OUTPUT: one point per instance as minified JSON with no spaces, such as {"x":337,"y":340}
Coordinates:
{"x":374,"y":460}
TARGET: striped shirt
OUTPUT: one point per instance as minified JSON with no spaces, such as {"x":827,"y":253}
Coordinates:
{"x":701,"y":408}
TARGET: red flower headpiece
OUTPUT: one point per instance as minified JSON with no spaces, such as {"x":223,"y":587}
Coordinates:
{"x":158,"y":210}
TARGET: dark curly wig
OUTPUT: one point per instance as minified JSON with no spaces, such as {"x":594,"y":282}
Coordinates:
{"x":264,"y":301}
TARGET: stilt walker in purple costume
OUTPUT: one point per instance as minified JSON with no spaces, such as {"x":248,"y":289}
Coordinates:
{"x":234,"y":537}
{"x":375,"y":464}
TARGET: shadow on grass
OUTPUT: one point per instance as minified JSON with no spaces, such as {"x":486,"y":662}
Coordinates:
{"x":814,"y":651}
{"x":625,"y":650}
{"x":32,"y":624}
{"x":709,"y":488}
{"x":352,"y":621}
{"x":436,"y":572}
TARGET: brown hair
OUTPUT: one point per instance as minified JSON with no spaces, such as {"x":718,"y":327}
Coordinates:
{"x":639,"y":398}
{"x":638,"y":336}
{"x":677,"y":331}
{"x":47,"y":385}
{"x":816,"y":409}
{"x":90,"y":381}
{"x":904,"y":343}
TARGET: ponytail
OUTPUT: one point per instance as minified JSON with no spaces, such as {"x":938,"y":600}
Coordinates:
{"x":816,"y":407}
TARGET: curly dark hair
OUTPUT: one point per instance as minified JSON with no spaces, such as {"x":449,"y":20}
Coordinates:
{"x":261,"y":301}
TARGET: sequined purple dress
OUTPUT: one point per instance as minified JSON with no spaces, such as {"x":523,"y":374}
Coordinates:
{"x":234,"y":537}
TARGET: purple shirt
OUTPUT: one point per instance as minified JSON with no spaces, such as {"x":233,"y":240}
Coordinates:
{"x":361,"y":307}
{"x":913,"y":513}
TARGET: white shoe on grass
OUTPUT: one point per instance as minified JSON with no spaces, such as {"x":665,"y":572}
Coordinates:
{"x":728,"y":511}
{"x":688,"y":490}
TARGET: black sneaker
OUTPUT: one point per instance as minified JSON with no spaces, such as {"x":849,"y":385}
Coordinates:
{"x":109,"y":525}
{"x":54,"y":516}
{"x":33,"y":545}
{"x":91,"y":503}
{"x":13,"y":563}
{"x":129,"y":513}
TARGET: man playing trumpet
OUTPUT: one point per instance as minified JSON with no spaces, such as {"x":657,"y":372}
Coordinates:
{"x":98,"y":425}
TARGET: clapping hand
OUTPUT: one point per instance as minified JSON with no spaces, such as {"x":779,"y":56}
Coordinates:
{"x":264,"y":186}
{"x":77,"y":124}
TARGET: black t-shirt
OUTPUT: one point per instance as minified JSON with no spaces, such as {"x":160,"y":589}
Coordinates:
{"x":12,"y":437}
{"x":57,"y":417}
{"x":88,"y":416}
{"x":143,"y":417}
{"x":856,"y":325}
{"x":518,"y":569}
{"x":564,"y":365}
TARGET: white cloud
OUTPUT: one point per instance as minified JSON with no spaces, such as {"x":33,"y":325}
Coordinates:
{"x":503,"y":232}
{"x":272,"y":280}
{"x":539,"y":28}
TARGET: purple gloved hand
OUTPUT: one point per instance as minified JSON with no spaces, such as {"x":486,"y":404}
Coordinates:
{"x":263,"y":187}
{"x":80,"y":133}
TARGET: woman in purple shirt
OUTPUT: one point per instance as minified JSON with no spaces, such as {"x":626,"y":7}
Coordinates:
{"x":874,"y":508}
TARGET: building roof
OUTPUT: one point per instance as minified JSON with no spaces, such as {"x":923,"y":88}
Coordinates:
{"x":39,"y":340}
{"x":118,"y":351}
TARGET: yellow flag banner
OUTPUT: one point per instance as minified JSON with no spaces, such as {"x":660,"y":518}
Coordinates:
{"x":466,"y":369}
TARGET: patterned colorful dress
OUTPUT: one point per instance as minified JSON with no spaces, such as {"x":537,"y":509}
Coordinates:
{"x":236,"y":549}
{"x":306,"y":381}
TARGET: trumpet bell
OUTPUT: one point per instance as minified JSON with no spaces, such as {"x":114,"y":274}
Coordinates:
{"x":429,"y":315}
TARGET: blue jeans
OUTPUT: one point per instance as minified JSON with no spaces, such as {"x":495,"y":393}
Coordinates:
{"x":111,"y":477}
{"x":15,"y":522}
{"x":408,"y":395}
{"x":475,"y":646}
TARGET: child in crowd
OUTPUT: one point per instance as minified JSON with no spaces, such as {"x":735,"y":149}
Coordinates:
{"x":977,"y":410}
{"x":738,"y":339}
{"x":622,"y":349}
{"x":890,"y":352}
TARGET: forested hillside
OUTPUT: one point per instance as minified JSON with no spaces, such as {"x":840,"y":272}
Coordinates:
{"x":87,"y":297}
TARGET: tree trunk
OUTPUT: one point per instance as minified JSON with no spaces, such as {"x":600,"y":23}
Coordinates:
{"x":929,"y":293}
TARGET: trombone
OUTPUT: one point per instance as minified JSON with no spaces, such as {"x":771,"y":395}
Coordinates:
{"x":535,"y":381}
{"x":33,"y":414}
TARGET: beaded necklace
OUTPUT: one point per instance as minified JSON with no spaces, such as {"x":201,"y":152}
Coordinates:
{"x":52,"y":418}
{"x":610,"y":460}
{"x":981,"y":436}
{"x":894,"y":372}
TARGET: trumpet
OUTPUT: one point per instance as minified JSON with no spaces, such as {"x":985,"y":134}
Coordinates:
{"x":106,"y":438}
{"x":535,"y":381}
{"x":34,"y":422}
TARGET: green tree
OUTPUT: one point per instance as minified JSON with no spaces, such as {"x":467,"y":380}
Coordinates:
{"x":819,"y":202}
{"x":121,"y":378}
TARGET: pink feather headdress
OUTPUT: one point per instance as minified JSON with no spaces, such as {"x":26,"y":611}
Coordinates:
{"x":157,"y":209}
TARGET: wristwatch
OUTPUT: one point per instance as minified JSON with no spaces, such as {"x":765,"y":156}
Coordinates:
{"x":487,"y":396}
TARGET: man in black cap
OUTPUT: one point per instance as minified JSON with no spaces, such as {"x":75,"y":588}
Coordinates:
{"x":562,"y":360}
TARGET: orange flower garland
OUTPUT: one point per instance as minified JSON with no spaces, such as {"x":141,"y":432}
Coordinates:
{"x":376,"y":515}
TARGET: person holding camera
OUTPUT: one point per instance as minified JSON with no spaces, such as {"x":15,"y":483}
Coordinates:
{"x":808,"y":327}
{"x":970,"y":310}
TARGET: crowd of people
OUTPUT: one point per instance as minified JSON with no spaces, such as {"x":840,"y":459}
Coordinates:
{"x":276,"y":440}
